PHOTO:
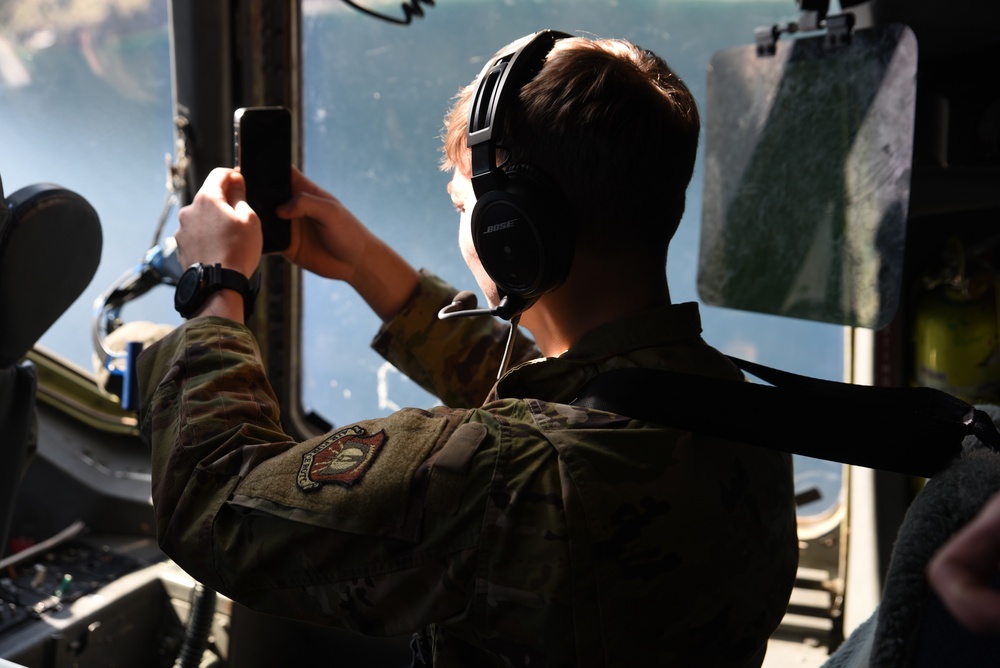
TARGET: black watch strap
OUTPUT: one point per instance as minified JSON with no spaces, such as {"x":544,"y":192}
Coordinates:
{"x":231,"y":279}
{"x":201,"y":280}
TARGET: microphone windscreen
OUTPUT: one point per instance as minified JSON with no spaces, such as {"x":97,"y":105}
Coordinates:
{"x":465,"y":300}
{"x":462,"y":304}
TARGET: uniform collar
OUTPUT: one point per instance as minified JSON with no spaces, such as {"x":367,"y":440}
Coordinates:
{"x":559,"y":378}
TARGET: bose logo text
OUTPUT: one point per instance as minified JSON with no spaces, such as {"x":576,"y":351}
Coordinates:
{"x":501,"y":226}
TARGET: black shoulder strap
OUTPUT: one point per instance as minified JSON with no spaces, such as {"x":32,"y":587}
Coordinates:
{"x":916,"y":431}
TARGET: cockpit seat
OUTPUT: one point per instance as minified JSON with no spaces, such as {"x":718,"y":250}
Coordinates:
{"x":50,"y":246}
{"x":911,"y":628}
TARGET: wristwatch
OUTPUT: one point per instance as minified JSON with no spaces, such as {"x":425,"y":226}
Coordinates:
{"x":201,"y":280}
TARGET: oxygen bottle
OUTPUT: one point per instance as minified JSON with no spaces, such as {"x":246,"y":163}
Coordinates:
{"x":955,"y":328}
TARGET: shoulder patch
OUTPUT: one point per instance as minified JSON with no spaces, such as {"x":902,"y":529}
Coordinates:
{"x":342,"y":457}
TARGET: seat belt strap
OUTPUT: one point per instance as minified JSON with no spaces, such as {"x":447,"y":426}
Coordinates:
{"x":916,"y":431}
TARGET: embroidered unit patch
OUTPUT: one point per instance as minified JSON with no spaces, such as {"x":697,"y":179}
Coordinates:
{"x":342,"y":457}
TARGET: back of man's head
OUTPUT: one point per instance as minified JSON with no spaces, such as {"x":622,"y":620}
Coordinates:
{"x":615,"y":130}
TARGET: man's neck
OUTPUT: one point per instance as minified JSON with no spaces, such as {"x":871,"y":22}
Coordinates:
{"x":592,"y":296}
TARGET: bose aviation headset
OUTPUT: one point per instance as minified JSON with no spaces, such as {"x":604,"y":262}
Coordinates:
{"x":519,"y":224}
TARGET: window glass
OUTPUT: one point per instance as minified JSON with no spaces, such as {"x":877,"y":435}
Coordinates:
{"x":85,"y":103}
{"x":375,"y":97}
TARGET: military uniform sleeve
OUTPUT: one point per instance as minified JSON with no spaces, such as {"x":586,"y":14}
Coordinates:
{"x":457,"y":359}
{"x":348,"y":529}
{"x":205,"y":406}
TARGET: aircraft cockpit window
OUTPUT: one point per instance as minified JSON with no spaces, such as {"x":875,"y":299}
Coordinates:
{"x":85,"y":102}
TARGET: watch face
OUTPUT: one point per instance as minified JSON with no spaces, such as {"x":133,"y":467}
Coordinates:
{"x":187,"y":288}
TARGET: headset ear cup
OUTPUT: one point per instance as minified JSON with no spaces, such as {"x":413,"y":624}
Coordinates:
{"x":521,"y":234}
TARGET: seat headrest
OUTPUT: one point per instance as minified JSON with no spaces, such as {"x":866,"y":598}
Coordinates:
{"x":50,"y":246}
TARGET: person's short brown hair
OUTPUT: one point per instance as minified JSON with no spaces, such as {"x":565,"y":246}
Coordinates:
{"x":614,"y":127}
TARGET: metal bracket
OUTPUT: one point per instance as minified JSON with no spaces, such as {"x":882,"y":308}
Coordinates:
{"x":838,"y":31}
{"x":766,"y":38}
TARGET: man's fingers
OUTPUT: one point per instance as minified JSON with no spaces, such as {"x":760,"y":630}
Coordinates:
{"x":235,"y":189}
{"x":302,"y":184}
{"x":217,"y":182}
{"x":305,"y":205}
{"x":965,"y":571}
{"x":244,"y":212}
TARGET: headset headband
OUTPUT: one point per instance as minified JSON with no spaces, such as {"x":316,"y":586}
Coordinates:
{"x":507,"y":72}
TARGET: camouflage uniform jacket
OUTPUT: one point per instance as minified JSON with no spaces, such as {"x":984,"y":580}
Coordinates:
{"x":524,"y":532}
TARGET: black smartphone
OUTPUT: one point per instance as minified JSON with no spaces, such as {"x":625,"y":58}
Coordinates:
{"x":262,"y":148}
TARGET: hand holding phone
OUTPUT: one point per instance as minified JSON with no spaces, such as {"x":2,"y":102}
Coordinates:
{"x":263,"y":153}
